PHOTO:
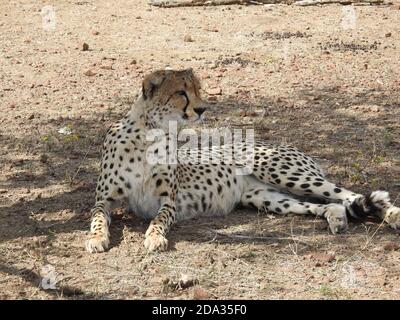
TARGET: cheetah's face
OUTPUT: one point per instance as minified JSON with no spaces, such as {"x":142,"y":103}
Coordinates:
{"x":172,"y":95}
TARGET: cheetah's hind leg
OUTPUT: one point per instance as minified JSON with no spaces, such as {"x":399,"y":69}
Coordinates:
{"x":358,"y":206}
{"x":263,"y":197}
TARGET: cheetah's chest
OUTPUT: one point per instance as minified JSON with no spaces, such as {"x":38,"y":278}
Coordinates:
{"x":141,"y":196}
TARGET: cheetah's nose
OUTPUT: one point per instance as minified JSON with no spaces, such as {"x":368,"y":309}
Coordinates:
{"x":199,"y":111}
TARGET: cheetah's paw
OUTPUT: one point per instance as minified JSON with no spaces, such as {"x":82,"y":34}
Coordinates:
{"x":97,"y":243}
{"x":155,"y":241}
{"x":392,"y":217}
{"x":336,"y":217}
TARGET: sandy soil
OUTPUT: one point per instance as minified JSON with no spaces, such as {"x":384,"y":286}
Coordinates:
{"x":303,"y":76}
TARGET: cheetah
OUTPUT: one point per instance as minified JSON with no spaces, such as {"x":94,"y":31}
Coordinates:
{"x":165,"y":193}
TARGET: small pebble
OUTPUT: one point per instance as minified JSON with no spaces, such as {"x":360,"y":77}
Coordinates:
{"x":188,"y":38}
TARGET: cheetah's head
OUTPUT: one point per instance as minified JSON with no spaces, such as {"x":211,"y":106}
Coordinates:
{"x":172,"y":95}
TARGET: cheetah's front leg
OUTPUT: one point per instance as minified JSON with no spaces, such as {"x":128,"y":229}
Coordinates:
{"x":99,"y":238}
{"x":106,"y":199}
{"x":155,"y":235}
{"x":166,"y":189}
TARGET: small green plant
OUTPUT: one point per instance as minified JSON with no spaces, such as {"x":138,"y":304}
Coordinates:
{"x":333,"y":293}
{"x":378,"y":159}
{"x":71,"y":138}
{"x":326,"y":291}
{"x":356,"y":165}
{"x":356,"y":177}
{"x":388,"y":137}
{"x":374,"y":183}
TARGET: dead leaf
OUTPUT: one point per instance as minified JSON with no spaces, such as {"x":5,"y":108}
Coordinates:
{"x":391,"y":246}
{"x":85,"y":47}
{"x":323,"y":257}
{"x":188,"y":38}
{"x":89,"y":73}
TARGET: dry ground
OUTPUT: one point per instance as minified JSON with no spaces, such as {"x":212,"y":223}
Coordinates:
{"x":294,"y":74}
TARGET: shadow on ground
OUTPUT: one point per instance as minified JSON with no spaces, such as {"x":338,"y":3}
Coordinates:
{"x":317,"y":117}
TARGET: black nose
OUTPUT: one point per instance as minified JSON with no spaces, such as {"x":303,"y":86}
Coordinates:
{"x":199,"y":111}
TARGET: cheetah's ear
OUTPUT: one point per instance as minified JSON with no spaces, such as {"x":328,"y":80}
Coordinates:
{"x":151,"y":83}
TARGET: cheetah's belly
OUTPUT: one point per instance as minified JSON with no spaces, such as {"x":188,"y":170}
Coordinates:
{"x":214,"y":193}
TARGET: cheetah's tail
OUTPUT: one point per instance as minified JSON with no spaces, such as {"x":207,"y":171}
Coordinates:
{"x":374,"y":204}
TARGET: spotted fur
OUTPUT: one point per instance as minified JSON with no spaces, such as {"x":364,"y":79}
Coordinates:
{"x":166,"y":193}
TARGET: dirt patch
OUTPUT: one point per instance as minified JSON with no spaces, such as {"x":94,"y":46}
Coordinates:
{"x":267,"y":35}
{"x":342,"y":108}
{"x":236,"y":61}
{"x":353,"y":47}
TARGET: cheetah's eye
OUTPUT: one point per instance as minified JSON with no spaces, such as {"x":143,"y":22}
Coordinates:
{"x":184,"y":94}
{"x":181,"y":93}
